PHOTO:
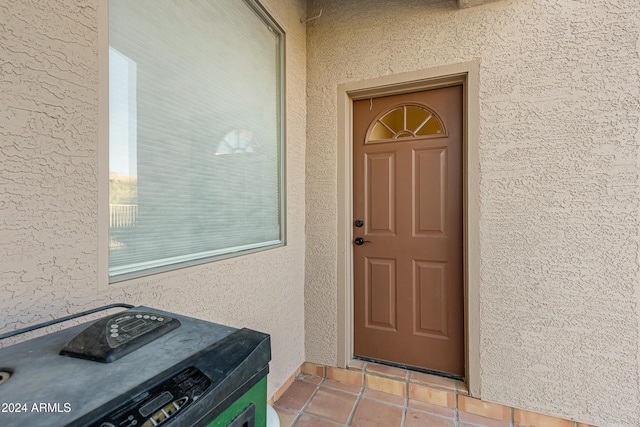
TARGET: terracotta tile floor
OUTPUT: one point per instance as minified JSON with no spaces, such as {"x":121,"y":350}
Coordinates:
{"x":371,"y":395}
{"x":317,"y":401}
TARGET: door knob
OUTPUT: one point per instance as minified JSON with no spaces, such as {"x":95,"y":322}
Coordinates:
{"x":360,"y":241}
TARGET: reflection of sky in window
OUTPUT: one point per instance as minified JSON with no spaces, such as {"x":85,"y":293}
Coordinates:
{"x":122,"y":115}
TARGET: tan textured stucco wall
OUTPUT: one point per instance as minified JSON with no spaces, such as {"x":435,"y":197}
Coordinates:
{"x":49,"y":190}
{"x":559,"y":188}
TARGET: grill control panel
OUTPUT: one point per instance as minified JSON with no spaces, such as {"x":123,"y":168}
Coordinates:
{"x":159,"y":404}
{"x":115,"y":336}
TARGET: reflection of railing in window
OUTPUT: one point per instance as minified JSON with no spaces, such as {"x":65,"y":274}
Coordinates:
{"x":122,"y":215}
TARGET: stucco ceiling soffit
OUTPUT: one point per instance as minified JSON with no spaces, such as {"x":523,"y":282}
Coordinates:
{"x":471,"y":3}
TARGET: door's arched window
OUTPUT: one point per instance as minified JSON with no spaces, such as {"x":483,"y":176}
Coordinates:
{"x":406,"y":121}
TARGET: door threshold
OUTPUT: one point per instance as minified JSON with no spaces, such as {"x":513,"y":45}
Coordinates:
{"x":410,"y":368}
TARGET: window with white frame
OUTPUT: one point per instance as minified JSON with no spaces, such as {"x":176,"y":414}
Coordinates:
{"x":195,"y":133}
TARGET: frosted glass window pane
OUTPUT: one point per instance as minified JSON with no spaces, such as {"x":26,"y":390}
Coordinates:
{"x":380,"y":132}
{"x":415,"y":117}
{"x":431,"y":127}
{"x":394,"y":119}
{"x":194,"y":133}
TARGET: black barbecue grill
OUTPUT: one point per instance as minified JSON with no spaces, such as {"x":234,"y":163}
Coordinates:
{"x":138,"y":368}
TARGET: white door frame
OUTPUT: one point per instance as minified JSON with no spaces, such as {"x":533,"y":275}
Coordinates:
{"x":466,"y":73}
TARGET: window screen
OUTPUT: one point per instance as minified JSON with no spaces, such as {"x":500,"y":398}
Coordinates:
{"x":195,"y":141}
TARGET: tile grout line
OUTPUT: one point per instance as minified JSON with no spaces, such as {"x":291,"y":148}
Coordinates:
{"x":295,"y":421}
{"x":456,"y":410}
{"x":406,"y":392}
{"x":326,"y":420}
{"x":406,"y":399}
{"x":359,"y":396}
{"x":421,"y":384}
{"x":355,"y":406}
{"x":456,"y":417}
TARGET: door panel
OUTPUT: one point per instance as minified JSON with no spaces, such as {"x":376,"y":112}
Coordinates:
{"x":430,"y":197}
{"x":381,"y":294}
{"x":408,"y":271}
{"x":430,"y":296}
{"x":380,"y":190}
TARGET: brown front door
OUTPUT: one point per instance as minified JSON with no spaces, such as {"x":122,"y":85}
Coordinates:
{"x":408,"y":269}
